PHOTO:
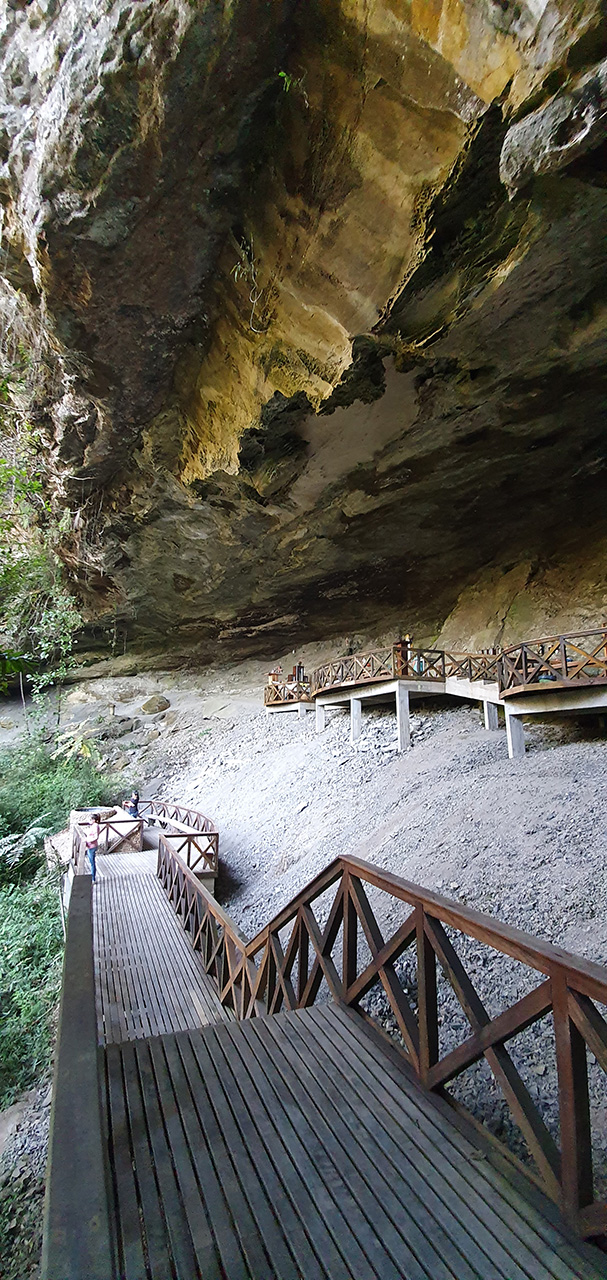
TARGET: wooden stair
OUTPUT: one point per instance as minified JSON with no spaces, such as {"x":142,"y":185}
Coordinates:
{"x":301,"y":1145}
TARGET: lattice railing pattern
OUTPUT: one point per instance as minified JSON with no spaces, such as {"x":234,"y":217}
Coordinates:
{"x":560,"y":661}
{"x":356,"y":669}
{"x":113,"y":834}
{"x":275,"y":694}
{"x":199,"y":846}
{"x":339,"y":945}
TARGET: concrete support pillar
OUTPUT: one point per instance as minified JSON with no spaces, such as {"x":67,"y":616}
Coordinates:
{"x":403,"y":728}
{"x":301,"y":711}
{"x":356,"y":717}
{"x":490,"y":710}
{"x":516,"y":736}
{"x":321,"y":717}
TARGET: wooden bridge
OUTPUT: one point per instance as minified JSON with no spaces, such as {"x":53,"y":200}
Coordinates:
{"x":566,"y":674}
{"x":230,"y":1108}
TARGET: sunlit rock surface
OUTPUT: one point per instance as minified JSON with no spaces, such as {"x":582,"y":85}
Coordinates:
{"x":318,"y":293}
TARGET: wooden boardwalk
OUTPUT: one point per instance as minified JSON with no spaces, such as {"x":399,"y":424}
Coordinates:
{"x":300,"y":1146}
{"x":148,"y":979}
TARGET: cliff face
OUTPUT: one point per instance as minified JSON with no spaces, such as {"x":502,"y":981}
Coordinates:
{"x":317,"y":293}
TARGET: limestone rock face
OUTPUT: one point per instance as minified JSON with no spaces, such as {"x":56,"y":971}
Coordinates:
{"x":316,"y":293}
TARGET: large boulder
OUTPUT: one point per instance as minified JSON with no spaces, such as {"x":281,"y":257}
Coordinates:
{"x":156,"y":703}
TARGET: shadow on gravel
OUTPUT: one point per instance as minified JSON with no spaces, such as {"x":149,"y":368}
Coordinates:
{"x":227,"y":882}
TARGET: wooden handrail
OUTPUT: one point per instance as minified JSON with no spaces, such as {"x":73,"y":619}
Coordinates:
{"x":286,"y":963}
{"x":121,"y":829}
{"x":77,"y":1238}
{"x":564,"y":660}
{"x":279,"y":692}
{"x":201,"y":845}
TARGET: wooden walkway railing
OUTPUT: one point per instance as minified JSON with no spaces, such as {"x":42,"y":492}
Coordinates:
{"x":113,"y":834}
{"x":194,"y":836}
{"x":299,"y":951}
{"x":277,"y":694}
{"x":562,"y":662}
{"x":566,"y":661}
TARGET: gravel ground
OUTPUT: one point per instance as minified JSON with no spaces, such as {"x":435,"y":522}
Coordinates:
{"x":521,"y":840}
{"x":22,"y":1169}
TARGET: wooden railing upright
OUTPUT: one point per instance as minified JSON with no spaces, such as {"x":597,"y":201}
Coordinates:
{"x":285,"y":965}
{"x":198,"y":843}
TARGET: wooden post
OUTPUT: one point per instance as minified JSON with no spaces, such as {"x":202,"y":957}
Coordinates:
{"x":350,"y":937}
{"x":356,"y":715}
{"x":403,"y":728}
{"x":426,"y":999}
{"x":576,"y":1141}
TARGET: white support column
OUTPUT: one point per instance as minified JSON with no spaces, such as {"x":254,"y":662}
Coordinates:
{"x":301,"y":711}
{"x":356,"y":716}
{"x":516,"y":736}
{"x":403,"y":728}
{"x":490,"y":710}
{"x":321,"y":717}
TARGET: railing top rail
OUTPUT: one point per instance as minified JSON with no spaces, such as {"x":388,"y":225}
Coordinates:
{"x":566,"y":636}
{"x":589,"y":977}
{"x":161,"y":808}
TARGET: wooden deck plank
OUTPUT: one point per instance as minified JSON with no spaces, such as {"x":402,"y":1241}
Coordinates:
{"x":404,"y":1205}
{"x":296,"y":1147}
{"x":149,"y":979}
{"x":377,"y":1208}
{"x":454,"y":1209}
{"x":130,"y":1247}
{"x":512,"y":1198}
{"x":246,"y":1130}
{"x":174,"y":1209}
{"x":192,"y":1100}
{"x":264,"y":1242}
{"x":332,"y":1197}
{"x":198,"y":1222}
{"x":151,"y":1225}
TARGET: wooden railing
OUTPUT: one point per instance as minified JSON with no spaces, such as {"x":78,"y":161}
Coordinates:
{"x":407,"y":663}
{"x":356,"y":669}
{"x":192,"y":835}
{"x":77,"y":1237}
{"x":276,"y":694}
{"x":113,"y":832}
{"x":314,"y":943}
{"x":561,"y":661}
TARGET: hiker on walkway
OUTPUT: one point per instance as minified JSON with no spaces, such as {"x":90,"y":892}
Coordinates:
{"x":132,"y":805}
{"x":92,"y":842}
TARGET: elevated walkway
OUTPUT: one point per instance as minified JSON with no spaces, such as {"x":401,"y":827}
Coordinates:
{"x":148,"y":978}
{"x":227,"y":1110}
{"x":558,"y":674}
{"x":299,"y":1146}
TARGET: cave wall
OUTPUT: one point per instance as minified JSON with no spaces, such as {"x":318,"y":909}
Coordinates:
{"x":321,"y":291}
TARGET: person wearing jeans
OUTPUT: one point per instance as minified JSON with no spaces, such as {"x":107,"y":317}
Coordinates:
{"x":92,"y":842}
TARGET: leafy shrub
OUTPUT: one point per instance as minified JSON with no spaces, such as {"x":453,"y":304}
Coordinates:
{"x":21,"y":855}
{"x":31,"y":946}
{"x":38,"y":791}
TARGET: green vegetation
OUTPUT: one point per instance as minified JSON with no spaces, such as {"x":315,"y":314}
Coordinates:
{"x":38,"y":789}
{"x":37,"y":792}
{"x":31,"y":946}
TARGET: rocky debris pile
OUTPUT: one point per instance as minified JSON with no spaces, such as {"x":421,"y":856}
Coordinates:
{"x":22,"y":1172}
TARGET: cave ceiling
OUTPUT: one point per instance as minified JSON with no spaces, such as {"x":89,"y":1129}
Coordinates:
{"x":317,"y":292}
